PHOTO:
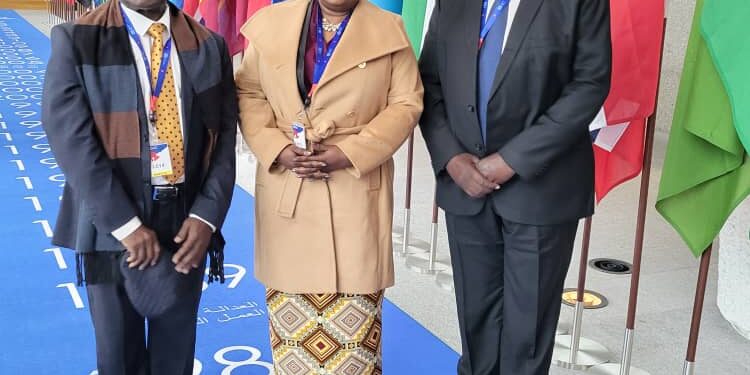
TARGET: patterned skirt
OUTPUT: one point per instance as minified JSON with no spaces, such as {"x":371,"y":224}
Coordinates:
{"x":325,"y":334}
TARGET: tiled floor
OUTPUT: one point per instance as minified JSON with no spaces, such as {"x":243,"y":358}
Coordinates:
{"x":669,"y":271}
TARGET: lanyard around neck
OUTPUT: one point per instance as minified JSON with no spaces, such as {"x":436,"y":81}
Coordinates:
{"x":157,"y":87}
{"x":322,"y":54}
{"x":487,"y":23}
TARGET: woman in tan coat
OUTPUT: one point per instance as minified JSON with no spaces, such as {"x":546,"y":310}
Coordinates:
{"x":344,"y":71}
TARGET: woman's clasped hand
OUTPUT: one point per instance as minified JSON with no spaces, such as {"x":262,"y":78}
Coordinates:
{"x":316,"y":164}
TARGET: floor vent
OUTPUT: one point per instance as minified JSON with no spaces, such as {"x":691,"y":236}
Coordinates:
{"x":612,"y":266}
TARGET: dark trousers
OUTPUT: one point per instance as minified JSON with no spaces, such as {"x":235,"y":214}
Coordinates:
{"x":123,"y":344}
{"x":509,"y":279}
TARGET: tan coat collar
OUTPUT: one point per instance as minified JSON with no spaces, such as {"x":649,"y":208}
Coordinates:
{"x":276,"y":36}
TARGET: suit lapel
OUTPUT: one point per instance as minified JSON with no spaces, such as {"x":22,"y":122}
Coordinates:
{"x":184,"y":40}
{"x":187,"y":95}
{"x":470,"y":16}
{"x":462,"y":45}
{"x":527,"y":10}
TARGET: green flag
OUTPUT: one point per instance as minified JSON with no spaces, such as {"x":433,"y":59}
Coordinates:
{"x":706,"y":172}
{"x":413,"y":14}
{"x":724,"y":27}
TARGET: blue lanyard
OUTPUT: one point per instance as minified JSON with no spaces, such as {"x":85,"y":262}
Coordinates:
{"x":487,"y":23}
{"x":322,"y":58}
{"x":163,"y":67}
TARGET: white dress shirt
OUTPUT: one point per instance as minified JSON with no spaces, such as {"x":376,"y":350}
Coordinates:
{"x":141,"y":24}
{"x":512,"y":9}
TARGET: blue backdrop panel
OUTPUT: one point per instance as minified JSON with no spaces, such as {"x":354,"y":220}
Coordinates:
{"x":44,"y":319}
{"x":392,"y":5}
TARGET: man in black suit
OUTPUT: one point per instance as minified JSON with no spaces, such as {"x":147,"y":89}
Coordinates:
{"x":510,"y":89}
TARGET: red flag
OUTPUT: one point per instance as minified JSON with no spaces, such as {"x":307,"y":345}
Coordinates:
{"x":623,"y":162}
{"x":220,"y":16}
{"x":246,"y":9}
{"x":208,"y":13}
{"x":240,"y":14}
{"x":255,"y":5}
{"x":190,"y":7}
{"x":618,"y":132}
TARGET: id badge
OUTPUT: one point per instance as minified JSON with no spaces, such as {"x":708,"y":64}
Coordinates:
{"x":298,"y":136}
{"x":161,"y":160}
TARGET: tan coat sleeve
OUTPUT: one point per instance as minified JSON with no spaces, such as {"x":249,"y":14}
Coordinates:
{"x":257,"y":119}
{"x":382,"y":137}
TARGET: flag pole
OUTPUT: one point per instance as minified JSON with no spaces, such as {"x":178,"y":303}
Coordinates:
{"x":571,"y":350}
{"x":428,"y":265}
{"x":407,"y":194}
{"x":625,"y":367}
{"x":695,"y":324}
{"x":407,"y":245}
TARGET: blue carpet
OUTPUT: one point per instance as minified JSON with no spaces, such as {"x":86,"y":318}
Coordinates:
{"x":44,"y":319}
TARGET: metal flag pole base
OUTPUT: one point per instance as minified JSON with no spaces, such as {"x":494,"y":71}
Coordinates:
{"x":398,"y":235}
{"x":561,"y":330}
{"x":590,"y":353}
{"x":623,"y":368}
{"x":573,"y":351}
{"x":420,"y":265}
{"x":689,"y":368}
{"x":427,"y":265}
{"x":408,"y":246}
{"x":615,"y":369}
{"x":444,"y":280}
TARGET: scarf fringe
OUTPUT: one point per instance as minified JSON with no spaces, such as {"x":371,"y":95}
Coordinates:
{"x":216,"y":266}
{"x":80,"y":280}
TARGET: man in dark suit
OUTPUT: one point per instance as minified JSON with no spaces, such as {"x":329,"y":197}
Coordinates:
{"x":140,"y":110}
{"x":510,"y":89}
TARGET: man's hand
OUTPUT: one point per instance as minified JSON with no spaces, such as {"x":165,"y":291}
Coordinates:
{"x":143,"y":248}
{"x":295,"y":159}
{"x":331,"y":159}
{"x":463,"y":170}
{"x":495,"y":169}
{"x":194,"y":236}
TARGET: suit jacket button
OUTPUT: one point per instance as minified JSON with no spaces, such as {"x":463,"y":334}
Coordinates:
{"x":479,"y":147}
{"x":470,"y":108}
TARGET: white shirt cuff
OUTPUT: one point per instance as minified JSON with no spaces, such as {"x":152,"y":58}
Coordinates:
{"x":213,"y":227}
{"x":124,"y":231}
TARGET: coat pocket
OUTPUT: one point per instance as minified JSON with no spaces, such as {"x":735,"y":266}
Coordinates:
{"x":289,"y":196}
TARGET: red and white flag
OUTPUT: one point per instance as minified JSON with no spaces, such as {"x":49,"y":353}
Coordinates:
{"x":618,"y":132}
